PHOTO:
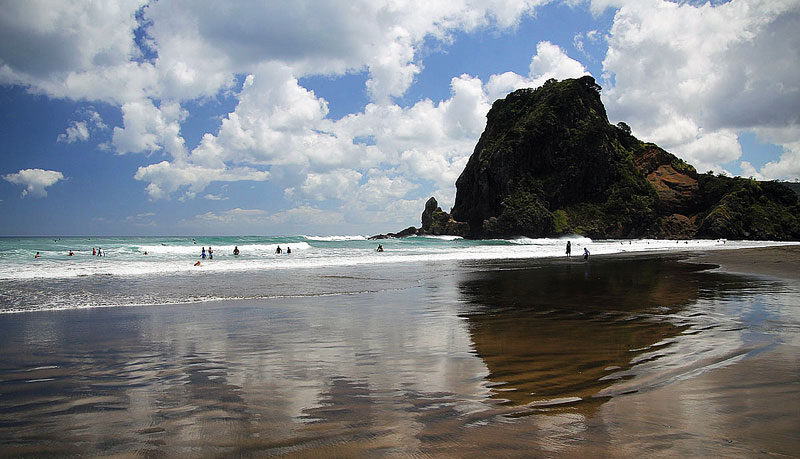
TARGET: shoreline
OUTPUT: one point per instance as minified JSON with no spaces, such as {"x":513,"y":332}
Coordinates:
{"x":781,"y":262}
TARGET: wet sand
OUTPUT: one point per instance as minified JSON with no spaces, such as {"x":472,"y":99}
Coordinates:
{"x":782,"y":261}
{"x":628,"y":356}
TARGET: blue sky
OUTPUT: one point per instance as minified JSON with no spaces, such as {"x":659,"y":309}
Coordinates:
{"x":318,"y":117}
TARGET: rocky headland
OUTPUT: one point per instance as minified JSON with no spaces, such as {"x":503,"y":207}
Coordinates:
{"x":549,"y":163}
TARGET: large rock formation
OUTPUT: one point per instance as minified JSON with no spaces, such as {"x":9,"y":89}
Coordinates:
{"x":550,"y":163}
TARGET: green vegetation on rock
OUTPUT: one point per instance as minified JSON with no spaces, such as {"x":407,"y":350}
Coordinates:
{"x":550,"y":163}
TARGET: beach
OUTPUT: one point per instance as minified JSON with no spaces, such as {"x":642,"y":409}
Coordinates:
{"x":651,"y":353}
{"x":782,"y":262}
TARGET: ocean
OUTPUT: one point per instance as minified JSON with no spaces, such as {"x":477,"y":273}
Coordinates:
{"x":161,"y":270}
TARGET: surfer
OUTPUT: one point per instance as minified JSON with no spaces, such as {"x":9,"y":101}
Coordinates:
{"x":569,"y":248}
{"x":236,"y":250}
{"x":380,"y":248}
{"x":198,"y":263}
{"x":37,"y":255}
{"x":71,"y":253}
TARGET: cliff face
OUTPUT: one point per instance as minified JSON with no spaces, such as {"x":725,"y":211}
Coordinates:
{"x":550,"y":163}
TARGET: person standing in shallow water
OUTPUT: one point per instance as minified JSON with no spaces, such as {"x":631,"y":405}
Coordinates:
{"x":585,"y":254}
{"x":203,"y":253}
{"x":569,"y":248}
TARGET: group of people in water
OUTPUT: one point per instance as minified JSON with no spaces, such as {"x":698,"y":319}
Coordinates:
{"x":210,"y":253}
{"x":99,"y":253}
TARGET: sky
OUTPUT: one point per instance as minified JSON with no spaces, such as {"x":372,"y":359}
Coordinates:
{"x":322,"y":117}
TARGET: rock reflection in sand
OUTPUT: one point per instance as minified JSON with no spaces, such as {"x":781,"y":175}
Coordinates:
{"x":557,"y":336}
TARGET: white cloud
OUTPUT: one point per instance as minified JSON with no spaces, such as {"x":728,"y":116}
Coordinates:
{"x":43,"y":41}
{"x":166,"y":178}
{"x":149,"y":128}
{"x":35,"y":181}
{"x":550,"y":61}
{"x":691,"y":78}
{"x":79,"y":131}
{"x":337,"y":184}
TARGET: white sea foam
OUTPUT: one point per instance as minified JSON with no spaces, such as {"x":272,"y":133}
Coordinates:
{"x":336,"y":238}
{"x":218,"y":250}
{"x":129,"y":260}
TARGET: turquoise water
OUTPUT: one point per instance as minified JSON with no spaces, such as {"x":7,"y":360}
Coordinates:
{"x":155,"y":270}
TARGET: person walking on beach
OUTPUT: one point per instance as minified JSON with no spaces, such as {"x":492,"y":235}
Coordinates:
{"x":203,"y":253}
{"x":569,"y":248}
{"x":585,"y":254}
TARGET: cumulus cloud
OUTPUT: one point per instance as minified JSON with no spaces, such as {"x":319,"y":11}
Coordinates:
{"x":691,"y":77}
{"x":550,"y":61}
{"x":35,"y":181}
{"x":79,"y":131}
{"x":168,"y":177}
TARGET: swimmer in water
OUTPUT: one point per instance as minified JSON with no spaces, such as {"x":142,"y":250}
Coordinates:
{"x":236,"y":250}
{"x":37,"y":255}
{"x":198,"y":263}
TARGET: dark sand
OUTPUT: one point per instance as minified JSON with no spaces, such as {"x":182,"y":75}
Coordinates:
{"x":782,"y":262}
{"x":635,"y":356}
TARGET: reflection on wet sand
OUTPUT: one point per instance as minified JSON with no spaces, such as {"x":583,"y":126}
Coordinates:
{"x":512,"y":359}
{"x":555,"y":337}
